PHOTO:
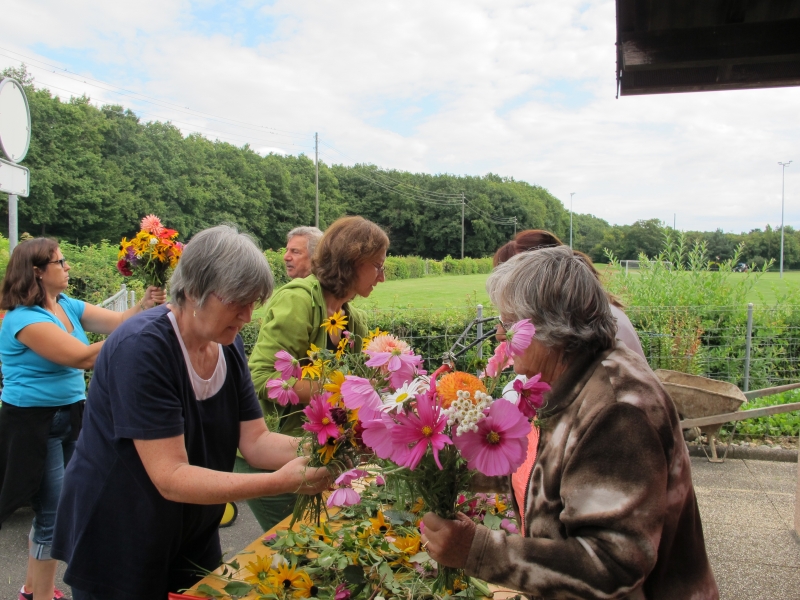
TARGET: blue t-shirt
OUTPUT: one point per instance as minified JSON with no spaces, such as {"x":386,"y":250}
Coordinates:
{"x":120,"y":537}
{"x":30,"y":380}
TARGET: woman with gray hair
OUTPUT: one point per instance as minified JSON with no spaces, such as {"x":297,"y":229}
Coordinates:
{"x":604,"y":500}
{"x":170,"y":402}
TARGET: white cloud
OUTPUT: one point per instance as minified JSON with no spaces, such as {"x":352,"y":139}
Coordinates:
{"x":519,"y":89}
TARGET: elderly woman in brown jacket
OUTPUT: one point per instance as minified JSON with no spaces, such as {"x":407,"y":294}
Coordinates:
{"x":607,"y":508}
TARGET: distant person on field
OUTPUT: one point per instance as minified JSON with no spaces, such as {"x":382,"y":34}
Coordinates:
{"x":300,"y":245}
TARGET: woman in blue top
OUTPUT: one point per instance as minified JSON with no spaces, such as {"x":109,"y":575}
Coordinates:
{"x":44,"y":350}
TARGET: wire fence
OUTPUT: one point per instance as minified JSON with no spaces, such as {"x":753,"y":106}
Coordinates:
{"x":751,"y":346}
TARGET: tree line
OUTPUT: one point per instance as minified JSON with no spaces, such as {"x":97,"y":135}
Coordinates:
{"x":96,"y":171}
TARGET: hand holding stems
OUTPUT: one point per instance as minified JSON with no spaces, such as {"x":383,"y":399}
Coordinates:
{"x":153,"y":295}
{"x":302,"y":479}
{"x":448,"y":541}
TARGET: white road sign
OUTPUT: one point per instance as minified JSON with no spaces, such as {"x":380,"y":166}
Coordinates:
{"x":15,"y":120}
{"x":14,"y":179}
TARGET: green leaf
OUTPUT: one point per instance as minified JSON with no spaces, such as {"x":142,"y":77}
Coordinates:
{"x":209,"y":591}
{"x":238,"y":588}
{"x":353,"y":574}
{"x":398,"y":517}
{"x":492,"y":521}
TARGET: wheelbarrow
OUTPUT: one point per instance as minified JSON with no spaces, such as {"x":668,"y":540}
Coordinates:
{"x":707,"y":404}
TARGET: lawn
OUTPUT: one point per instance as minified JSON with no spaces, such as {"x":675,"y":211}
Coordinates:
{"x":451,"y":291}
{"x":429,"y":292}
{"x":462,"y":290}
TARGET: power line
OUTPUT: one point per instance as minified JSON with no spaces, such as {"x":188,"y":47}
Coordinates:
{"x":396,"y":182}
{"x":233,"y":137}
{"x":114,"y":89}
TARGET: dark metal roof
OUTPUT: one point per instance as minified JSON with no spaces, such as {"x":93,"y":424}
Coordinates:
{"x":666,"y":46}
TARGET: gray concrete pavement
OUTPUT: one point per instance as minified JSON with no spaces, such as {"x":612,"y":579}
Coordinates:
{"x":747,"y":507}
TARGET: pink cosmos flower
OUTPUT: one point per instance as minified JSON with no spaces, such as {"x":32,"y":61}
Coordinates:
{"x":500,"y":360}
{"x":281,"y":392}
{"x":288,"y":365}
{"x":348,"y":477}
{"x":377,"y":435}
{"x":341,"y":592}
{"x":379,"y":480}
{"x":500,"y":445}
{"x":401,"y":367}
{"x":344,"y":496}
{"x":519,"y":337}
{"x":418,"y":431}
{"x":509,"y":526}
{"x":269,"y":537}
{"x":152,"y":224}
{"x":320,"y":421}
{"x":358,"y":392}
{"x":531,"y":395}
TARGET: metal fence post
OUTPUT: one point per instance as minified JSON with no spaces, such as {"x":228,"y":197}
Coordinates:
{"x":479,"y":330}
{"x":747,"y":346}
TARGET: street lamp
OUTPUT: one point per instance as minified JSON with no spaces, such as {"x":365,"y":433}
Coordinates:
{"x":571,"y":194}
{"x":783,"y":187}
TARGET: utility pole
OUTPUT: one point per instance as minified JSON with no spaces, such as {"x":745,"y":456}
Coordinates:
{"x":316,"y":179}
{"x":571,"y":194}
{"x":674,"y":221}
{"x":462,"y":224}
{"x":783,"y":188}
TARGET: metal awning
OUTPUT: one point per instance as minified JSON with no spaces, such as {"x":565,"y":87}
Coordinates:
{"x":667,"y":46}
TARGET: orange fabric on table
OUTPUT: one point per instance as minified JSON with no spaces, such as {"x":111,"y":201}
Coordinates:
{"x":520,"y":478}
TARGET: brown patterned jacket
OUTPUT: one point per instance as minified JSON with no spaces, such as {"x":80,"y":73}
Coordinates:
{"x":610,"y":511}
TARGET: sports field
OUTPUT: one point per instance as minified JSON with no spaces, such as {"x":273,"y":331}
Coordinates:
{"x":460,"y":290}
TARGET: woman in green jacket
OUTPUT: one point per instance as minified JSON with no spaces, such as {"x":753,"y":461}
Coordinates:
{"x":348,"y":262}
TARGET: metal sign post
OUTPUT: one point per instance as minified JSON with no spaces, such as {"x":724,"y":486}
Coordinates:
{"x":15,"y":139}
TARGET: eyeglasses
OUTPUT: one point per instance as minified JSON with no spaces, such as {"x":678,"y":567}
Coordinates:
{"x":233,"y":303}
{"x":60,"y":261}
{"x":507,"y":326}
{"x":381,"y":269}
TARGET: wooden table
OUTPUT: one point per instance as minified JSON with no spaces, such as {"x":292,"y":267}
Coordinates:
{"x":257,"y":549}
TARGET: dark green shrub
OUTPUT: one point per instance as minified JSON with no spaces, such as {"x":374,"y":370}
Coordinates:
{"x":94,"y":276}
{"x":435,"y":267}
{"x":450,"y":265}
{"x":416,"y":267}
{"x":275,"y":260}
{"x":396,"y":268}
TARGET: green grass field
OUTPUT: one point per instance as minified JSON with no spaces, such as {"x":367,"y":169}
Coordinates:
{"x":451,"y":291}
{"x":447,"y":291}
{"x":469,"y":290}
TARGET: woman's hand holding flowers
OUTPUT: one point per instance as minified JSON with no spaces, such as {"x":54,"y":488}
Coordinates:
{"x":448,"y":541}
{"x":153,"y":295}
{"x":302,"y":479}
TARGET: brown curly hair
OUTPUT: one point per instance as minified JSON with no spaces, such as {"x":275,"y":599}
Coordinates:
{"x":20,"y":286}
{"x":345,"y":244}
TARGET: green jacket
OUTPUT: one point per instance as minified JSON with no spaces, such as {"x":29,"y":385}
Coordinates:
{"x":291,"y":322}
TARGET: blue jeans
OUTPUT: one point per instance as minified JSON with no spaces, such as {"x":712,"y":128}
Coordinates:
{"x":45,"y":501}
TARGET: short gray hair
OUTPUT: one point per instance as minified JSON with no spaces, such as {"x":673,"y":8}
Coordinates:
{"x":561,"y":296}
{"x":312,"y":235}
{"x":224,"y":260}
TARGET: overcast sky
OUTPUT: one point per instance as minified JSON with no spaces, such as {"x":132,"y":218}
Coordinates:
{"x":468,"y":87}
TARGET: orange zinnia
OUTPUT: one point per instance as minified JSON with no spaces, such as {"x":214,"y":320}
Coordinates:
{"x":452,"y":383}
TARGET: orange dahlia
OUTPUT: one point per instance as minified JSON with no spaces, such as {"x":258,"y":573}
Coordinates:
{"x":449,"y":385}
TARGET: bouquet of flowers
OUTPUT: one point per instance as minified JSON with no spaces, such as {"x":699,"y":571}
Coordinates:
{"x":151,"y":253}
{"x":428,"y":436}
